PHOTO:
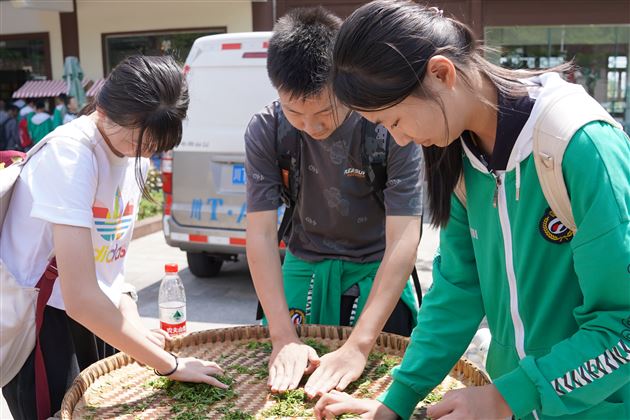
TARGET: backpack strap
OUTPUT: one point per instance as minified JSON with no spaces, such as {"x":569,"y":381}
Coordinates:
{"x":375,"y":140}
{"x":288,"y":151}
{"x":374,"y":149}
{"x":558,"y":122}
{"x":460,"y":190}
{"x":12,"y":172}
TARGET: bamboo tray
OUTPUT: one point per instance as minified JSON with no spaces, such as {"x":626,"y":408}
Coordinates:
{"x":118,"y":387}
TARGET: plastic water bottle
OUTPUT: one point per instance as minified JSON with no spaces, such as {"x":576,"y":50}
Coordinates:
{"x":172,"y":302}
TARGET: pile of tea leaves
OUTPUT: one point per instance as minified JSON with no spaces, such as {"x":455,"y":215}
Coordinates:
{"x":190,"y":401}
{"x":193,"y":401}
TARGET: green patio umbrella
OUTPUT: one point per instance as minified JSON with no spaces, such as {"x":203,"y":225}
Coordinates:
{"x":73,"y":75}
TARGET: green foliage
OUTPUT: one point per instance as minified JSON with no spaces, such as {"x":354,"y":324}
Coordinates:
{"x":152,"y":187}
{"x":264,"y":346}
{"x":154,"y":181}
{"x":320,"y":348}
{"x":191,"y":400}
{"x":293,"y":403}
{"x":260,"y":372}
{"x":150,"y":208}
{"x":231,"y":413}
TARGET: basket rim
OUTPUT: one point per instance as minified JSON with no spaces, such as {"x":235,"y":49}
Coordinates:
{"x":390,"y":341}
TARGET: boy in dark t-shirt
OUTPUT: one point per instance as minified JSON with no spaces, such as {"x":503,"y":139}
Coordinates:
{"x":347,"y":253}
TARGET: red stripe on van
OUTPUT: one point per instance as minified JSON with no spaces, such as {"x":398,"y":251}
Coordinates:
{"x":234,"y":46}
{"x":198,"y":238}
{"x":255,"y":55}
{"x":237,"y":241}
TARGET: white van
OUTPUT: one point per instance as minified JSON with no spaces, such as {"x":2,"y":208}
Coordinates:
{"x":204,"y":177}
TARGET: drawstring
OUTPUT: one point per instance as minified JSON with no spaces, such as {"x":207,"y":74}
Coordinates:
{"x":518,"y":174}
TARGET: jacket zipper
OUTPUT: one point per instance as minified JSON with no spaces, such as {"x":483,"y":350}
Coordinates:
{"x":519,"y":331}
{"x":497,"y":184}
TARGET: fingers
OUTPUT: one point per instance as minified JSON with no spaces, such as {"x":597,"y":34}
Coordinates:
{"x":328,"y":385}
{"x":333,"y":410}
{"x":155,"y":340}
{"x":335,"y":403}
{"x":440,"y":409}
{"x":191,"y":369}
{"x":313,"y":361}
{"x":212,"y":370}
{"x":298,"y":371}
{"x":278,"y":377}
{"x":287,"y":377}
{"x":323,"y":402}
{"x":210,"y":380}
{"x":159,"y":331}
{"x":312,"y":382}
{"x":344,"y":382}
{"x":321,"y":382}
{"x":290,"y":365}
{"x":272,"y":375}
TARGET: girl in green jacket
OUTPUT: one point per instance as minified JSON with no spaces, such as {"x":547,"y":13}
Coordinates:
{"x":557,"y":301}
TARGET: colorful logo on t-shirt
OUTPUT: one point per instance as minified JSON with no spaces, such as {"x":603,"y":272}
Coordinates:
{"x":112,"y":225}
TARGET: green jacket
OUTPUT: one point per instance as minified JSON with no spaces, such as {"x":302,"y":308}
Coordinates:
{"x":39,"y":125}
{"x":558,"y":304}
{"x":313,"y":289}
{"x":59,"y":115}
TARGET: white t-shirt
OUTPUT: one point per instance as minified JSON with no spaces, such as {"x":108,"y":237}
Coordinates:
{"x":68,"y":183}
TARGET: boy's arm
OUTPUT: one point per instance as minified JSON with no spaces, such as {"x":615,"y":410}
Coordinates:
{"x":290,"y":357}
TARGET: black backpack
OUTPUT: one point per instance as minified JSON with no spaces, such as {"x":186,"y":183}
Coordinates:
{"x":374,"y":150}
{"x":375,"y":140}
{"x":3,"y":134}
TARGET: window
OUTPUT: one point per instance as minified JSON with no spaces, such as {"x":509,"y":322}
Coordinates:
{"x":23,"y":57}
{"x":176,"y":42}
{"x":600,"y":53}
{"x":26,"y":52}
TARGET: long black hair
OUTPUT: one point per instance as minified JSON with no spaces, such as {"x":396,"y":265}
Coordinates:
{"x":149,"y":94}
{"x":380,"y":58}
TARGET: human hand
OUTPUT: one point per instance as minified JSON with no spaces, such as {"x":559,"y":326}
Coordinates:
{"x":336,"y":370}
{"x":480,"y":402}
{"x":159,"y":337}
{"x":289,"y":361}
{"x":191,"y":369}
{"x":335,"y":403}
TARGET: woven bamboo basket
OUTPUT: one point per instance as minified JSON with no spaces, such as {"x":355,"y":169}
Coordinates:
{"x":118,"y":387}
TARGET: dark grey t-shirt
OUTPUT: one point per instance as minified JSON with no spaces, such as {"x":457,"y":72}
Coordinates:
{"x":337,"y":214}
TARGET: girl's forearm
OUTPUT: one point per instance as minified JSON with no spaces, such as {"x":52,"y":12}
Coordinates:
{"x":99,"y":315}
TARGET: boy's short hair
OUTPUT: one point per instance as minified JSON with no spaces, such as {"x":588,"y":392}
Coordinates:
{"x":299,"y":58}
{"x":40,"y":104}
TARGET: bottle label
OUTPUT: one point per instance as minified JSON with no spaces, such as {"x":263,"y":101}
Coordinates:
{"x":173,"y":319}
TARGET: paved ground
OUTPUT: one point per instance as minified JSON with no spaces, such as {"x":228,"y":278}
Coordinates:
{"x":224,"y":301}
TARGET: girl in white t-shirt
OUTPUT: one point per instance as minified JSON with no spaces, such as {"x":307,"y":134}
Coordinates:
{"x":77,"y":199}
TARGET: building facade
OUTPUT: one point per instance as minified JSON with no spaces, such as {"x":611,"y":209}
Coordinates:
{"x":36,"y":36}
{"x":595,"y":34}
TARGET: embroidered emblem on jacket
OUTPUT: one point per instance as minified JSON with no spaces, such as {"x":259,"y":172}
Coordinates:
{"x":552,"y":228}
{"x":297,"y":316}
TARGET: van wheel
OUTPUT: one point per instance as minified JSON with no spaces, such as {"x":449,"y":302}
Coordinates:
{"x":203,"y":265}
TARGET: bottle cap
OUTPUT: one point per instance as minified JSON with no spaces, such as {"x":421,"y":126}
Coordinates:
{"x":171,"y":268}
